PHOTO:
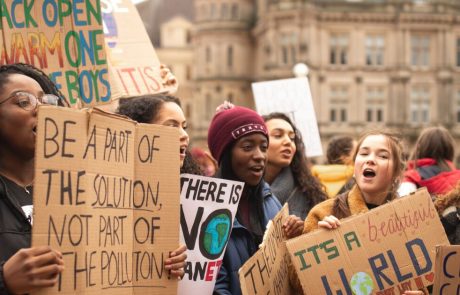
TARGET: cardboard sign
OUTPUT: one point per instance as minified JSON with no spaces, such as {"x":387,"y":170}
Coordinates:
{"x":208,"y":209}
{"x":447,"y":274}
{"x":385,"y":251}
{"x":106,"y":195}
{"x":292,"y":97}
{"x":64,"y":39}
{"x":266,"y":272}
{"x":133,"y":63}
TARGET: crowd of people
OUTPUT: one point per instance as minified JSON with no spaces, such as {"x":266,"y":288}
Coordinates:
{"x":266,"y":153}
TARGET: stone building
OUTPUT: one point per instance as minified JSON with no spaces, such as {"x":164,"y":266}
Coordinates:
{"x":372,"y":63}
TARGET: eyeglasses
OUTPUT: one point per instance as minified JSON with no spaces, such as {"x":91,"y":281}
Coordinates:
{"x":29,"y":102}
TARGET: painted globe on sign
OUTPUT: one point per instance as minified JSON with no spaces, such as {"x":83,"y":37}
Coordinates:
{"x":361,"y":284}
{"x":216,"y":234}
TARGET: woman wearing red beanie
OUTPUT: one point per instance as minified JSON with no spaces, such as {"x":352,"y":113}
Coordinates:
{"x":238,"y":140}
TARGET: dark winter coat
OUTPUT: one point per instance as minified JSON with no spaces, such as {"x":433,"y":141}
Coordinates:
{"x":15,"y":229}
{"x":241,"y":246}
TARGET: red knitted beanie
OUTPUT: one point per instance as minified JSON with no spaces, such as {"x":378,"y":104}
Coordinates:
{"x":229,"y":125}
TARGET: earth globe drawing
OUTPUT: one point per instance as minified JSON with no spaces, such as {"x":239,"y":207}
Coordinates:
{"x":216,"y":234}
{"x":361,"y":284}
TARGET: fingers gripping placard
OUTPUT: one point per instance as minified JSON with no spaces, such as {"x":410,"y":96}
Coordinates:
{"x":107,"y":196}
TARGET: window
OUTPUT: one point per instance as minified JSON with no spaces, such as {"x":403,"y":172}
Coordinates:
{"x":208,"y":107}
{"x":339,"y":104}
{"x":230,"y":97}
{"x":458,"y":106}
{"x":458,"y":52}
{"x":338,"y":49}
{"x":288,"y":43}
{"x":188,"y":73}
{"x":208,"y":55}
{"x":230,"y":56}
{"x":235,"y":11}
{"x":420,"y":104}
{"x":225,"y":11}
{"x":213,"y":11}
{"x":375,"y":46}
{"x":375,"y":104}
{"x":420,"y":50}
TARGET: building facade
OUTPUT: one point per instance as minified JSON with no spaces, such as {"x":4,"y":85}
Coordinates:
{"x":373,"y":63}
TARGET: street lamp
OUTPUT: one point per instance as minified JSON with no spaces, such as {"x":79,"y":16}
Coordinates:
{"x":300,"y":70}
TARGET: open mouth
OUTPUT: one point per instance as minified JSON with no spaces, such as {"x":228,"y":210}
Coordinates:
{"x":257,"y":169}
{"x":368,"y":173}
{"x":286,"y":152}
{"x":34,"y":130}
{"x":182,"y":150}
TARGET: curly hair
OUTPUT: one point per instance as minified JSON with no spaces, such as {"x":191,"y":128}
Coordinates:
{"x":144,"y":109}
{"x":303,"y":178}
{"x":38,"y":75}
{"x":338,"y":148}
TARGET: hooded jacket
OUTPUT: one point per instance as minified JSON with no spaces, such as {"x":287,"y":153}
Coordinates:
{"x":241,"y":247}
{"x":15,"y":229}
{"x":426,"y":172}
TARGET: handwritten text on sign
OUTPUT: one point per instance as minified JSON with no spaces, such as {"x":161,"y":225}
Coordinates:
{"x":63,"y":38}
{"x":207,"y":211}
{"x":385,"y":251}
{"x":266,"y":272}
{"x":107,"y":197}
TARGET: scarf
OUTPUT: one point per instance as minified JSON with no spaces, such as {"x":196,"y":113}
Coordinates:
{"x":285,"y":189}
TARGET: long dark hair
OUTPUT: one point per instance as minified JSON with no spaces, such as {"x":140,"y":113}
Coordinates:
{"x":144,"y":109}
{"x":303,"y":179}
{"x":38,"y":75}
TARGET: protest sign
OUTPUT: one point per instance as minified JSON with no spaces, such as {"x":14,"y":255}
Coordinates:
{"x":385,"y":251}
{"x":106,"y":195}
{"x":64,"y":39}
{"x":133,"y":63}
{"x":447,"y":270}
{"x":266,"y":272}
{"x":207,"y":211}
{"x":292,"y":97}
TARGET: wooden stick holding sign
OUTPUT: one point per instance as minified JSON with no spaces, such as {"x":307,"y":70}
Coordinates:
{"x":107,"y":196}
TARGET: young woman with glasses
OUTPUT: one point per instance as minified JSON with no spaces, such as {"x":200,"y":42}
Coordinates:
{"x":22,"y":269}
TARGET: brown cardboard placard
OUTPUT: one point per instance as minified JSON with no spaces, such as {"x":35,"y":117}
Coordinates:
{"x":133,"y":63}
{"x":106,"y":195}
{"x":384,"y":251}
{"x":62,"y":38}
{"x":447,"y":270}
{"x":266,"y":272}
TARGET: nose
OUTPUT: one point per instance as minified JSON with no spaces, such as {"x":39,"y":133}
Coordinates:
{"x":183,"y":135}
{"x":370,"y":159}
{"x":259,"y":154}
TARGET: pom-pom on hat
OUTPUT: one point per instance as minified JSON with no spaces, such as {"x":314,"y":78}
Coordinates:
{"x":231,"y":123}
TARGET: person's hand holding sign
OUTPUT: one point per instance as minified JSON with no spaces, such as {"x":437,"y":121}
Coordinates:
{"x":293,"y":226}
{"x":31,"y":269}
{"x":176,"y":262}
{"x":168,"y":78}
{"x":329,"y":222}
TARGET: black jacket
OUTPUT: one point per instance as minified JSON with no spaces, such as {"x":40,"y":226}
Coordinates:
{"x":15,"y":229}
